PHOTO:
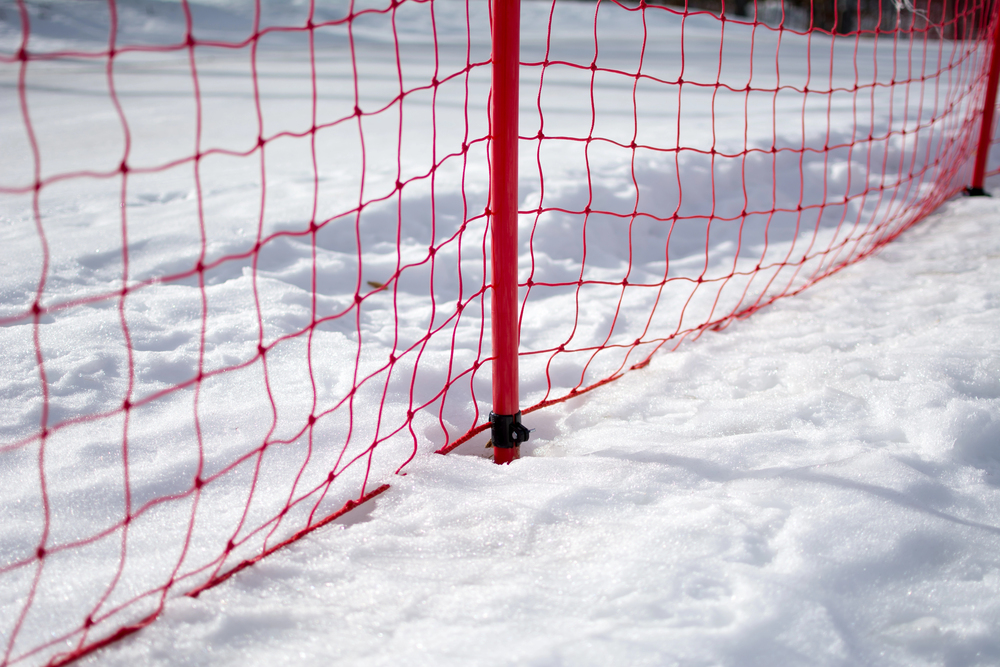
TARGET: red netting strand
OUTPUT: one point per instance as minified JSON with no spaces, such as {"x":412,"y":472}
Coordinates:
{"x":246,"y":247}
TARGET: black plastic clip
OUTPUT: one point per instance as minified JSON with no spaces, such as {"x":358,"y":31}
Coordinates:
{"x":508,"y":431}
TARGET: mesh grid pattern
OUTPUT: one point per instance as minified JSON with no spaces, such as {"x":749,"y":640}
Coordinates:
{"x":910,"y":123}
{"x":324,"y":316}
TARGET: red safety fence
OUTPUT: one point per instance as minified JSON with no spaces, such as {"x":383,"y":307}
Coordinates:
{"x":250,"y":250}
{"x":987,"y":161}
{"x":993,"y":156}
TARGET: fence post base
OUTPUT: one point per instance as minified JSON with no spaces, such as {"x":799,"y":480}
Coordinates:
{"x":508,"y":434}
{"x":976,"y":192}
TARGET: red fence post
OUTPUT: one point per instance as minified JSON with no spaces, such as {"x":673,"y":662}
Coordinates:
{"x":989,"y":110}
{"x":506,"y":416}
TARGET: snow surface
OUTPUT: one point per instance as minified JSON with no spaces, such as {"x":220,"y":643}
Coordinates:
{"x":816,"y":485}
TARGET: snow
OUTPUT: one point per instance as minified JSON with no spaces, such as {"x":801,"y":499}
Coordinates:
{"x":815,"y":485}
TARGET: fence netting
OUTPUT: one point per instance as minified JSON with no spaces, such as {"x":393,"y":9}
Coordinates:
{"x":246,"y":244}
{"x":993,"y":159}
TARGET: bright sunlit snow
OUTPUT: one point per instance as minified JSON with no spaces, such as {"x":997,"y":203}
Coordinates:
{"x":816,"y":485}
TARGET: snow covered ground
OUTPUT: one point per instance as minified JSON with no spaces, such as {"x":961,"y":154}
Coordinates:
{"x":814,"y":485}
{"x":817,"y":485}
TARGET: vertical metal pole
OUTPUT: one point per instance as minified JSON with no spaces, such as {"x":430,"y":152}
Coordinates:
{"x":506,"y":417}
{"x":989,"y":111}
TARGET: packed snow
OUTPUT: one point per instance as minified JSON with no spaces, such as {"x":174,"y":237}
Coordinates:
{"x":815,"y":485}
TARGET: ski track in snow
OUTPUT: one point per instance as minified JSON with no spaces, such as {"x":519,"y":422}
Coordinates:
{"x":816,"y":485}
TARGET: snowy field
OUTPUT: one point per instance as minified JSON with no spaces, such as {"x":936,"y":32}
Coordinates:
{"x":816,"y":485}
